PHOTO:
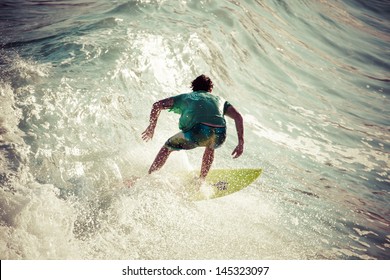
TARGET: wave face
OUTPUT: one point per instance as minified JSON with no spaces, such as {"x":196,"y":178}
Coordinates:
{"x":77,"y":81}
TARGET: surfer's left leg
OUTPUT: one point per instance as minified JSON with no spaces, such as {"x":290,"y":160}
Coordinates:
{"x":180,"y":141}
{"x":207,"y":160}
{"x":160,"y":159}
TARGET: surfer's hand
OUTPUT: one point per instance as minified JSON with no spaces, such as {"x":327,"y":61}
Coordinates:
{"x":238,"y":150}
{"x":148,"y":133}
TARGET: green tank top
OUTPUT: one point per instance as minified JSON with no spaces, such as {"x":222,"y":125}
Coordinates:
{"x":199,"y":107}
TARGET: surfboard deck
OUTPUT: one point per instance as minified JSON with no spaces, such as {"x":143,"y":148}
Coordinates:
{"x":218,"y":183}
{"x":222,"y":182}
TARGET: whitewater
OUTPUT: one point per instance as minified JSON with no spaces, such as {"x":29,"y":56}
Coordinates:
{"x":77,"y":82}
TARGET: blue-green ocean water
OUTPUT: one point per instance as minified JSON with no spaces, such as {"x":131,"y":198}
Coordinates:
{"x":77,"y":81}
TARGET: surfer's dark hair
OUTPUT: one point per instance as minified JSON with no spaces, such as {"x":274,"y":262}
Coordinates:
{"x":202,"y":83}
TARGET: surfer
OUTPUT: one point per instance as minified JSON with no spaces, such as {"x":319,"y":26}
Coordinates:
{"x":202,"y":124}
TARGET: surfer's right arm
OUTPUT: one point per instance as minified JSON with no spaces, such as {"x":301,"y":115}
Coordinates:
{"x":154,"y":114}
{"x":236,"y":116}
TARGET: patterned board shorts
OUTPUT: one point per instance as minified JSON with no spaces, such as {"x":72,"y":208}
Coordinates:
{"x":200,"y":135}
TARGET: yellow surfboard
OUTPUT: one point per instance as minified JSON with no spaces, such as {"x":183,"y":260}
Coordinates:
{"x":222,"y":182}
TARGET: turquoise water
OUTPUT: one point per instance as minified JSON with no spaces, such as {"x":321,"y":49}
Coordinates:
{"x":77,"y":81}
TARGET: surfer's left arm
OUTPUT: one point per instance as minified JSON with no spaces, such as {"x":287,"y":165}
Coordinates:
{"x":154,"y":114}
